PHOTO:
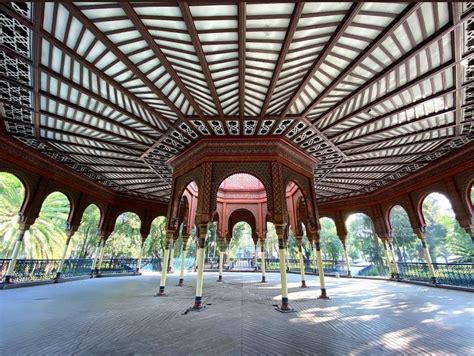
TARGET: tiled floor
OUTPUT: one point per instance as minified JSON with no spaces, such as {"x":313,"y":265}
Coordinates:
{"x":121,"y":316}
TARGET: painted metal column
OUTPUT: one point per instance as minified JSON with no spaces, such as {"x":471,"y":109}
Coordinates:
{"x":262,"y":250}
{"x":101,"y":257}
{"x":69,"y":234}
{"x":322,"y":282}
{"x":96,"y":257}
{"x":139,"y":264}
{"x":346,"y":258}
{"x":396,"y":272}
{"x":10,"y":274}
{"x":299,"y":242}
{"x":164,"y":265}
{"x":426,"y":253}
{"x":221,"y":258}
{"x":200,"y":267}
{"x":284,"y":307}
{"x":255,"y":257}
{"x":170,"y":268}
{"x":387,"y":256}
{"x":184,"y":250}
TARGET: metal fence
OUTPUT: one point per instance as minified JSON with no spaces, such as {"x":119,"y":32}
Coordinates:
{"x":41,"y":270}
{"x":458,"y":274}
{"x":273,"y":264}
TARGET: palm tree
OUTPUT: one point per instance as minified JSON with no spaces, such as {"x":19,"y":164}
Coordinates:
{"x":46,"y":238}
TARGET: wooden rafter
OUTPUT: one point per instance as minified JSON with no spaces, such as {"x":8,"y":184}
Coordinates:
{"x":38,"y":13}
{"x":188,"y":19}
{"x":345,"y":23}
{"x":457,"y":46}
{"x":132,"y":15}
{"x":242,"y":14}
{"x":295,"y":17}
{"x":389,"y":30}
{"x":123,"y":58}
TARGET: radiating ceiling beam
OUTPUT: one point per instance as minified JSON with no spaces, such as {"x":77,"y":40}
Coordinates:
{"x":295,"y":17}
{"x":345,"y":23}
{"x":120,"y":55}
{"x":132,"y":15}
{"x":38,"y":14}
{"x":100,"y":74}
{"x":400,"y":19}
{"x":188,"y":19}
{"x":435,"y":37}
{"x":242,"y":24}
{"x":457,"y":47}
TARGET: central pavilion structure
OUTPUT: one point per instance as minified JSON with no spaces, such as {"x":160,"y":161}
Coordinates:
{"x":322,"y":109}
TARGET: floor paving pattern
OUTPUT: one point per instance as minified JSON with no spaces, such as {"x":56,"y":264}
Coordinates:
{"x":121,"y":316}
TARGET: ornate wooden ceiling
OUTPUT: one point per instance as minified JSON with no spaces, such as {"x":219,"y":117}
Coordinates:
{"x":374,"y":91}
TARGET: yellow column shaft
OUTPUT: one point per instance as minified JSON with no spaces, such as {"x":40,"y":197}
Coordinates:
{"x":200,"y":271}
{"x":348,"y":263}
{"x":284,"y":285}
{"x":14,"y":256}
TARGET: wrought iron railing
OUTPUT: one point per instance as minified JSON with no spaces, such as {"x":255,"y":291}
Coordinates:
{"x":458,"y":274}
{"x":273,"y":264}
{"x":40,"y":270}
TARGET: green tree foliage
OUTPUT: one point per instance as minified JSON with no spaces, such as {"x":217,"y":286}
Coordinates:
{"x":46,"y":238}
{"x":331,"y":247}
{"x":241,"y":244}
{"x":406,"y":244}
{"x":362,"y":243}
{"x":125,"y":240}
{"x":447,"y":241}
{"x":85,"y":239}
{"x":155,"y":243}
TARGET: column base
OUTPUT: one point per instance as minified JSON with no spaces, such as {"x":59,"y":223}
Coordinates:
{"x":219,"y":279}
{"x":323,"y":294}
{"x":433,"y":280}
{"x":161,"y":292}
{"x":180,"y":283}
{"x":284,"y":307}
{"x":303,"y":284}
{"x":8,"y":279}
{"x":59,"y":275}
{"x":288,"y":269}
{"x":263,"y":280}
{"x":349,"y":274}
{"x":198,"y":306}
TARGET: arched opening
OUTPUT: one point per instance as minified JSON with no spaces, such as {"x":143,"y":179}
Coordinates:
{"x":331,"y":246}
{"x":47,"y":236}
{"x":447,"y":241}
{"x":12,"y":195}
{"x":471,"y":195}
{"x":155,"y":243}
{"x":85,"y":239}
{"x":124,"y":242}
{"x":242,"y":244}
{"x":407,"y":246}
{"x":364,"y":248}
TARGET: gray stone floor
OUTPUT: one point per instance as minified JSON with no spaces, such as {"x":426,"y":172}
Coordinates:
{"x":121,"y":316}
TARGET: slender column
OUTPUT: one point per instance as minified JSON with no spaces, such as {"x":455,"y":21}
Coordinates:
{"x":200,"y":267}
{"x":315,"y":260}
{"x":387,"y":256}
{"x":322,"y":282}
{"x":221,"y":258}
{"x":346,"y":258}
{"x":101,"y":257}
{"x":396,"y":272}
{"x":262,"y":253}
{"x":170,"y":268}
{"x":287,"y":258}
{"x":164,"y":266}
{"x":426,"y":254}
{"x":284,"y":307}
{"x":139,"y":264}
{"x":96,"y":257}
{"x":299,"y":242}
{"x":184,"y":249}
{"x":69,"y":234}
{"x":9,"y":275}
{"x":255,"y":257}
